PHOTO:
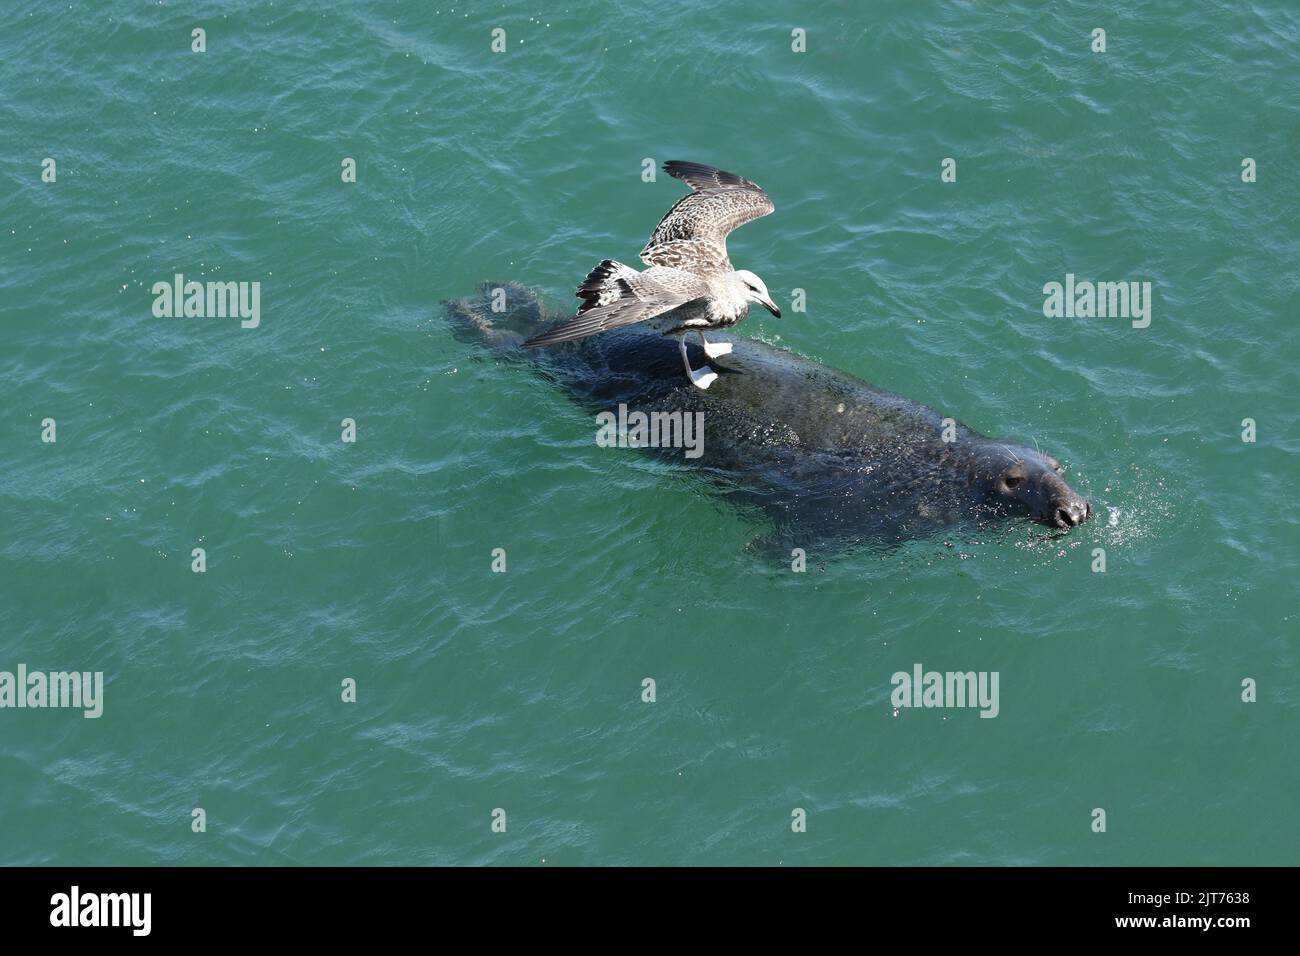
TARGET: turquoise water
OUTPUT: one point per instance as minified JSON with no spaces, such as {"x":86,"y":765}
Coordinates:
{"x":522,"y":691}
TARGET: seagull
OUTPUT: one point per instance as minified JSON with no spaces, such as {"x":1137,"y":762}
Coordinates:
{"x":690,"y":285}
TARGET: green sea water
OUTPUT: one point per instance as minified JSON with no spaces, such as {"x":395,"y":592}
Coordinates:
{"x":522,"y":691}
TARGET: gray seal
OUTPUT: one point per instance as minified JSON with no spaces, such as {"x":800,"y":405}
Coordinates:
{"x":832,"y":460}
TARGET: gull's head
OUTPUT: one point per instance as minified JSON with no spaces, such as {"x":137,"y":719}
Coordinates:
{"x":753,"y":290}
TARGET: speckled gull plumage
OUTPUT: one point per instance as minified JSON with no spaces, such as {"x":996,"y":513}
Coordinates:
{"x":689,"y":281}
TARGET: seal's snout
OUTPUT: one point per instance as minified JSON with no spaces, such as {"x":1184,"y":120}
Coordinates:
{"x":1072,"y":512}
{"x":1032,"y":484}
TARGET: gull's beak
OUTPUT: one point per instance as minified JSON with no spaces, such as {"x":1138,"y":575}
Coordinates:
{"x":771,"y":307}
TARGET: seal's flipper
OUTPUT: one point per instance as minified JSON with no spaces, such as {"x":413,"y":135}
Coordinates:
{"x":501,"y":315}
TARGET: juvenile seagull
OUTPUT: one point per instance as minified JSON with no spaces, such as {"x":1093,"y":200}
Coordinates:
{"x":690,"y":285}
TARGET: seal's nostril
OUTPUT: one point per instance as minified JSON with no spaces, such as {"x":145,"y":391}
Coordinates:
{"x":1070,"y":516}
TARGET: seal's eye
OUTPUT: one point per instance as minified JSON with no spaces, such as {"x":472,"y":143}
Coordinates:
{"x":1012,"y":480}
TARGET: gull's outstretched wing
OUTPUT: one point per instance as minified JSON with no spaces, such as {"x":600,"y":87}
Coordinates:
{"x":641,"y":296}
{"x":693,"y":235}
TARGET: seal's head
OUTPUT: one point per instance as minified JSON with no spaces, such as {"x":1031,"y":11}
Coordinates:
{"x":1020,"y":480}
